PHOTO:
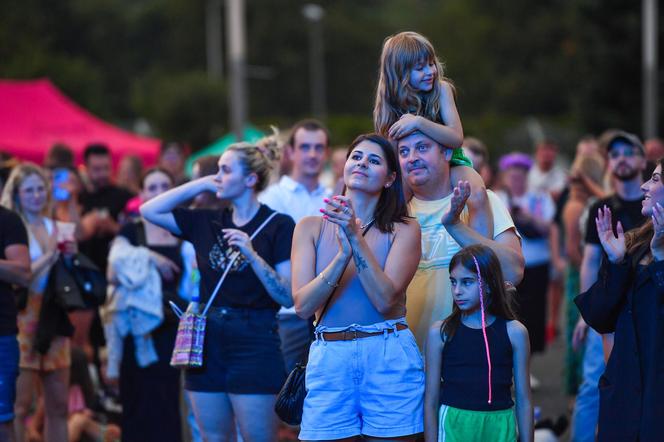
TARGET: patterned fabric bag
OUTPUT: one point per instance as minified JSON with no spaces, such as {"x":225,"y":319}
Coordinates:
{"x":188,"y":350}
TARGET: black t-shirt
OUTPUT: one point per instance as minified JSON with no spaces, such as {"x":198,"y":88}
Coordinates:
{"x":242,"y":288}
{"x":12,"y":231}
{"x":113,"y":199}
{"x":627,"y":212}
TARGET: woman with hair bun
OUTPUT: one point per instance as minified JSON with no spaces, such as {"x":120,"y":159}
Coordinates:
{"x":243,"y":367}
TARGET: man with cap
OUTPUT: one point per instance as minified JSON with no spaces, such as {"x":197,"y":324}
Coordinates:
{"x":626,"y":163}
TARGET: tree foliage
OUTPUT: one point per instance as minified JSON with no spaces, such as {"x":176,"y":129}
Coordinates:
{"x":575,"y":65}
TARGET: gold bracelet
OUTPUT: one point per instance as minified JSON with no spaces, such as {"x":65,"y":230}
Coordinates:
{"x":326,"y":281}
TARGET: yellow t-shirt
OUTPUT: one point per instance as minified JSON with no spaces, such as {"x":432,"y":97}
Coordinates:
{"x":429,"y":296}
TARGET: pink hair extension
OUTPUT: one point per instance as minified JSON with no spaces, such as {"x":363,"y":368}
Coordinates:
{"x":486,"y":340}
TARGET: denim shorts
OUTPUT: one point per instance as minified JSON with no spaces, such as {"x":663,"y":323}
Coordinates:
{"x":8,"y":374}
{"x":241,"y":353}
{"x":372,"y":386}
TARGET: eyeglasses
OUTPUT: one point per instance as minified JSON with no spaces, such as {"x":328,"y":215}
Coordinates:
{"x":625,"y":152}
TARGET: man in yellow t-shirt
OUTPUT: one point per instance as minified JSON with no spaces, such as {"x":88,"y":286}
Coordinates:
{"x":444,"y":220}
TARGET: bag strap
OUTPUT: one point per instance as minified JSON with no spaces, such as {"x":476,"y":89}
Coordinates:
{"x":329,"y":298}
{"x":233,"y":257}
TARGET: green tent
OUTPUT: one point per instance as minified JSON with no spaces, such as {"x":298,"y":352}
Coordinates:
{"x":250,"y":134}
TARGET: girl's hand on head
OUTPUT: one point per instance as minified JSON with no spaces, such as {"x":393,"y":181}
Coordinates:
{"x":657,"y":242}
{"x":612,"y":245}
{"x":460,"y":195}
{"x":340,"y":211}
{"x":239,"y":239}
{"x":407,"y":124}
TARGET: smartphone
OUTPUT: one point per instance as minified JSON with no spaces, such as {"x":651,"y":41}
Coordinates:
{"x":60,"y":177}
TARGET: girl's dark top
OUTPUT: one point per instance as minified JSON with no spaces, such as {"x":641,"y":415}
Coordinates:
{"x":465,"y":372}
{"x":628,"y":299}
{"x":241,"y":288}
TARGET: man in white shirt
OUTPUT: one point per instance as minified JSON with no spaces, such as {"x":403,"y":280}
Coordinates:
{"x":546,"y":175}
{"x":299,"y":194}
{"x":444,"y":220}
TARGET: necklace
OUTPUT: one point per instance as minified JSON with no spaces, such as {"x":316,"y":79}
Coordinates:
{"x":364,"y":226}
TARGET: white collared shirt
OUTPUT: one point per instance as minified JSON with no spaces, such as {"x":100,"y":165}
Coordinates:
{"x":292,"y":198}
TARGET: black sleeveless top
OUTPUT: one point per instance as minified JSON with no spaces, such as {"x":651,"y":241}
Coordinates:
{"x":465,"y":371}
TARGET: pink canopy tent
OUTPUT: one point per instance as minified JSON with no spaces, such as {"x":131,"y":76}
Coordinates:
{"x":35,"y":114}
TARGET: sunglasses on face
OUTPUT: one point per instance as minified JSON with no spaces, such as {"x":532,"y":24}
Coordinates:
{"x":625,"y":152}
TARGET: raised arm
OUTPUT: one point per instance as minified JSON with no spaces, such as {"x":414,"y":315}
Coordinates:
{"x":310,"y":291}
{"x":434,"y":356}
{"x":449,"y":133}
{"x":159,"y":210}
{"x":506,"y":244}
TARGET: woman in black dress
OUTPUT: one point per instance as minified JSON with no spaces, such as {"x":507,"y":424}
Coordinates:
{"x":150,"y":395}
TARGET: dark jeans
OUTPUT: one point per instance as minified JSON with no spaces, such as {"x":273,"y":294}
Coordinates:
{"x":8,"y":373}
{"x":241,"y":353}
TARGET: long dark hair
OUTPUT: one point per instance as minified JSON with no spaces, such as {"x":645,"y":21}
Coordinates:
{"x":498,"y":301}
{"x":637,"y":238}
{"x":391,"y":207}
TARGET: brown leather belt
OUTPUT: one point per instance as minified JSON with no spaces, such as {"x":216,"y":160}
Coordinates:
{"x":351,"y":335}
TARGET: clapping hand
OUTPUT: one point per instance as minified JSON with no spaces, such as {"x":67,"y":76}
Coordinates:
{"x":340,"y":212}
{"x":460,"y":195}
{"x":657,"y":242}
{"x":613,"y":245}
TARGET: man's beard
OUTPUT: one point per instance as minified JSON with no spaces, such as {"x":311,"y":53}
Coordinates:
{"x":630,"y":175}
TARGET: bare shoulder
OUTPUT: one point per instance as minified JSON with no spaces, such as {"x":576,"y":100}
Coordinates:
{"x":517,"y":332}
{"x":407,"y":234}
{"x":434,"y":332}
{"x":409,"y":227}
{"x":309,"y":226}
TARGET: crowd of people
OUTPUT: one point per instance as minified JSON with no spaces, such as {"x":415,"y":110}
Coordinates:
{"x":414,"y":280}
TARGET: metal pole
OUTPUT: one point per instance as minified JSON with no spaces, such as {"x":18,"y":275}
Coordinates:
{"x":314,"y":14}
{"x":215,"y":60}
{"x":237,"y":65}
{"x":650,"y":66}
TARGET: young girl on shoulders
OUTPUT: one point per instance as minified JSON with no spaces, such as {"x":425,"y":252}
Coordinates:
{"x":414,"y":95}
{"x":472,"y":356}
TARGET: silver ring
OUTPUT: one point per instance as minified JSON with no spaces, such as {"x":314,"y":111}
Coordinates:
{"x":346,"y":210}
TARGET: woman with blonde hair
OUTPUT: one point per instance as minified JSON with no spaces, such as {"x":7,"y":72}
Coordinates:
{"x":27,"y":192}
{"x":243,"y":368}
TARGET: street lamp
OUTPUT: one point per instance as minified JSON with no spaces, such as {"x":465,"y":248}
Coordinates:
{"x":314,"y":14}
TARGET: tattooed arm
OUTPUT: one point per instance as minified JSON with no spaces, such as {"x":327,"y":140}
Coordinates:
{"x":276,"y":281}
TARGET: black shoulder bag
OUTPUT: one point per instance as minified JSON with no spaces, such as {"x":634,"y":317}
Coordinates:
{"x":290,"y":400}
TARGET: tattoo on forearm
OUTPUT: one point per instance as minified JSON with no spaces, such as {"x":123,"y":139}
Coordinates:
{"x":274,"y":284}
{"x":360,"y":263}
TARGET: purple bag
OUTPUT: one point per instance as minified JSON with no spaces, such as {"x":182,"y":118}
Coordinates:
{"x":188,"y":349}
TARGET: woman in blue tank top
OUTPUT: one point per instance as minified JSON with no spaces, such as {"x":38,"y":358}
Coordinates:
{"x":472,"y":356}
{"x":351,"y":267}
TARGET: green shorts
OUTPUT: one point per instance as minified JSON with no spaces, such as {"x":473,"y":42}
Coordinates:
{"x":460,"y":159}
{"x":456,"y":425}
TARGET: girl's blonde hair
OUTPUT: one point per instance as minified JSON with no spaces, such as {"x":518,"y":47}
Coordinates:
{"x":394,"y":95}
{"x":259,"y":157}
{"x":18,"y":174}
